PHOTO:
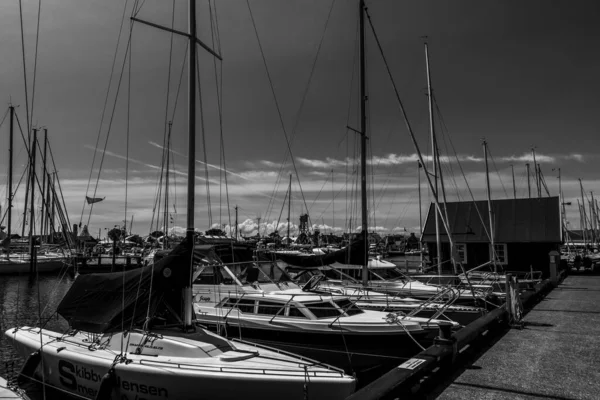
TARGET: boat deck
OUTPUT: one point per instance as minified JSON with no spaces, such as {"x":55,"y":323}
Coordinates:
{"x":5,"y":392}
{"x":555,"y":356}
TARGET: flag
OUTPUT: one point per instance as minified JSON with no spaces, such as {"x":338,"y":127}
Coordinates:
{"x":92,"y":200}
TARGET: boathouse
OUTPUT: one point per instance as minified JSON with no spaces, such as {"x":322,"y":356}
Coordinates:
{"x":525,"y":231}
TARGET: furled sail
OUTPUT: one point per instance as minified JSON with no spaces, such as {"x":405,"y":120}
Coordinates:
{"x":111,"y":302}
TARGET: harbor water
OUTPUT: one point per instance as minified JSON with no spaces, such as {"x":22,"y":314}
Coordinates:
{"x":22,"y":301}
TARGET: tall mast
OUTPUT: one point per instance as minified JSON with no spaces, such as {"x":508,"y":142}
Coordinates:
{"x":419,"y":166}
{"x":583,"y":215}
{"x":537,"y":176}
{"x":31,"y":205}
{"x":435,"y":164}
{"x":166,"y":215}
{"x":528,"y":181}
{"x":289,"y":209}
{"x":10,"y":171}
{"x":363,"y":144}
{"x":27,"y":185}
{"x":236,"y":223}
{"x":593,"y":217}
{"x":44,"y":205}
{"x":512,"y":167}
{"x":419,"y":189}
{"x":191,"y":187}
{"x":489,"y":201}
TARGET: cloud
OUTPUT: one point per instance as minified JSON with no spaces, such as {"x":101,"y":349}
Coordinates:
{"x":528,"y":157}
{"x":269,"y":164}
{"x":200,"y":162}
{"x":387,"y":160}
{"x":327,"y":163}
{"x":575,"y":157}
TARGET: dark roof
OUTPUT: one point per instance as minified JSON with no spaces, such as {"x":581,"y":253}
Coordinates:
{"x":515,"y":220}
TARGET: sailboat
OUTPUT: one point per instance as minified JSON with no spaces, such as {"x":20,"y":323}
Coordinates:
{"x":14,"y":258}
{"x":103,"y":356}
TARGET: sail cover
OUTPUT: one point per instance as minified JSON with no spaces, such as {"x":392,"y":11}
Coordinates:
{"x":353,"y":254}
{"x":116,"y":301}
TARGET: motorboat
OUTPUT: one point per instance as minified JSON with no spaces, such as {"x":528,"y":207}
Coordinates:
{"x":328,"y":328}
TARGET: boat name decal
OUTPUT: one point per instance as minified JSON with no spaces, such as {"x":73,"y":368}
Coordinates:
{"x":148,"y":346}
{"x":202,"y":298}
{"x":70,"y":373}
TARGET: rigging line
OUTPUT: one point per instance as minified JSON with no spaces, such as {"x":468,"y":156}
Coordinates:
{"x":104,"y":107}
{"x":24,"y":67}
{"x":127,"y":49}
{"x":281,"y":212}
{"x":289,"y":148}
{"x":203,"y":128}
{"x":166,"y":122}
{"x":318,"y":194}
{"x":215,"y":38}
{"x":303,"y":100}
{"x":448,"y":166}
{"x":498,"y":172}
{"x":372,"y":182}
{"x":35,"y":58}
{"x":3,"y":118}
{"x":300,"y":108}
{"x":441,"y":119}
{"x":127,"y":138}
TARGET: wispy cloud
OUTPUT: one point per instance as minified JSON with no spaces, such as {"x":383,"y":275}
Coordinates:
{"x":201,"y":162}
{"x":402,"y":159}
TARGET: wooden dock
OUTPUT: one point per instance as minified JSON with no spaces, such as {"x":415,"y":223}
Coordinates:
{"x":555,"y":356}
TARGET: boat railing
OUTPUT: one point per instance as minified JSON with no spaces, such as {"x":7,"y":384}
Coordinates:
{"x":244,"y":370}
{"x":443,"y":299}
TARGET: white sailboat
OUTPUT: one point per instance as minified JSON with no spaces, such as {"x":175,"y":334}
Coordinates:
{"x":103,"y":357}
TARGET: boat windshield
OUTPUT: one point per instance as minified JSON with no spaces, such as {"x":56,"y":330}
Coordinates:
{"x":323,"y":309}
{"x":349,"y":307}
{"x":387,"y":274}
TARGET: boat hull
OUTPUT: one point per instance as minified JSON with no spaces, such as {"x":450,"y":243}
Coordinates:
{"x":18,"y":266}
{"x":351,"y":352}
{"x":72,"y":367}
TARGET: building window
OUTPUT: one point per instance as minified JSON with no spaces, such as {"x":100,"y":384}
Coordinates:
{"x":501,"y":253}
{"x":461,"y":250}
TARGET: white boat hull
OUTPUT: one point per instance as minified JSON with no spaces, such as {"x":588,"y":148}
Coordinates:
{"x":76,"y":365}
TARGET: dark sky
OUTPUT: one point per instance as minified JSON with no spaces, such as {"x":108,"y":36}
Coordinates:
{"x":519,"y":73}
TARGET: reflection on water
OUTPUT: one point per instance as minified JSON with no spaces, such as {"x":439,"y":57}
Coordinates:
{"x":19,"y":306}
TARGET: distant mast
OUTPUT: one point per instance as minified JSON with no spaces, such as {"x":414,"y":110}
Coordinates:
{"x":489,"y":203}
{"x":363,"y":145}
{"x":191,"y":181}
{"x":10,"y":173}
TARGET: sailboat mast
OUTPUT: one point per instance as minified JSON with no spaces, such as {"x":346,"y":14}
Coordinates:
{"x":191,"y":184}
{"x":593,"y":218}
{"x":10,"y":171}
{"x":537,"y":176}
{"x":31,"y":205}
{"x":528,"y":181}
{"x":289,"y":210}
{"x":489,"y":201}
{"x":363,"y":144}
{"x":44,"y":205}
{"x":435,"y":162}
{"x":166,"y":214}
{"x":583,"y":216}
{"x":512,"y":167}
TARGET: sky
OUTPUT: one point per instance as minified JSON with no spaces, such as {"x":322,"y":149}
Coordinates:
{"x":522,"y":75}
